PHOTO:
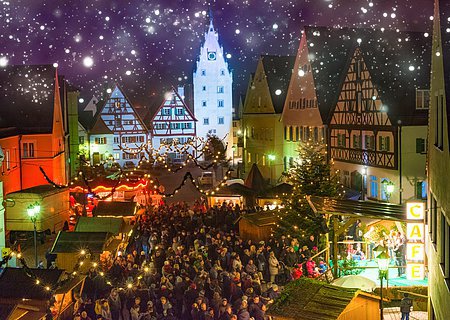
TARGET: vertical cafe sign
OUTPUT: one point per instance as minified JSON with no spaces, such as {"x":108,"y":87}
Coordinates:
{"x":415,"y":247}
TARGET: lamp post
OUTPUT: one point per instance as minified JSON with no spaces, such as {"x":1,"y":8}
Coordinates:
{"x":33,"y":210}
{"x":389,"y":189}
{"x":234,"y":149}
{"x":383,"y":267}
{"x":363,"y":178}
{"x":271,"y":159}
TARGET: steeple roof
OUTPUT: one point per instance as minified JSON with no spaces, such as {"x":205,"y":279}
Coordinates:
{"x":27,"y":95}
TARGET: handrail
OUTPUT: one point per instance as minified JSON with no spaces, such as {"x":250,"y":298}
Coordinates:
{"x":316,"y":255}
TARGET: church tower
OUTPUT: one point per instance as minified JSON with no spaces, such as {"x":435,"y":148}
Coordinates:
{"x":213,"y":95}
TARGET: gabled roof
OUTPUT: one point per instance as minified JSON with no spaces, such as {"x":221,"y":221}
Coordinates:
{"x":183,"y":104}
{"x":399,"y":63}
{"x":306,"y":299}
{"x":278,"y":71}
{"x":388,"y":56}
{"x":16,"y":284}
{"x":99,"y":112}
{"x":99,"y":224}
{"x":86,"y":117}
{"x":328,"y":49}
{"x":115,"y":208}
{"x":74,"y":242}
{"x":99,"y":126}
{"x":255,"y":180}
{"x":27,"y":99}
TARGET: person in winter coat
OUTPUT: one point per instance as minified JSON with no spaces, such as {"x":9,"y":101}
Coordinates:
{"x":274,"y":266}
{"x":135,"y":312}
{"x":297,"y":272}
{"x":114,"y":304}
{"x":243,"y":313}
{"x":310,"y":268}
{"x":226,"y":315}
{"x":251,"y":268}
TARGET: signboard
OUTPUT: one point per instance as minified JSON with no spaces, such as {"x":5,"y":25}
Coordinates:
{"x":5,"y":252}
{"x":415,"y":247}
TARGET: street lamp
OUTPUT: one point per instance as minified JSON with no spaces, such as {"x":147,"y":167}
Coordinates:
{"x":383,"y":267}
{"x":363,"y":178}
{"x":234,"y":149}
{"x":33,"y":210}
{"x":271,"y":158}
{"x":389,"y":188}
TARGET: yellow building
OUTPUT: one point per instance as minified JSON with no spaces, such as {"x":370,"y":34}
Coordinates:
{"x":314,"y":87}
{"x":438,"y":222}
{"x":261,"y":116}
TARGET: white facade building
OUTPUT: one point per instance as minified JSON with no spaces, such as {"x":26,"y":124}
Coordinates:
{"x":173,"y":122}
{"x":118,"y":132}
{"x":213,"y":93}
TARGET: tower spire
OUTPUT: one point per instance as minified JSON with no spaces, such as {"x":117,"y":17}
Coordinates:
{"x":211,"y":19}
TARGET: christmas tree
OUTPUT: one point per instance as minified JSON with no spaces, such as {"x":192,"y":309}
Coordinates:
{"x":311,"y":175}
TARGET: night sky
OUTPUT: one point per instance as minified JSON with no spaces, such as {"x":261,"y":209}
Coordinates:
{"x":148,"y":46}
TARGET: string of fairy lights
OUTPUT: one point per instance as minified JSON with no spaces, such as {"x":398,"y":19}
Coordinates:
{"x":84,"y":259}
{"x":159,"y":155}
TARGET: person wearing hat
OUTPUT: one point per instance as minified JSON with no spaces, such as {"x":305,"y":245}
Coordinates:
{"x":223,"y":306}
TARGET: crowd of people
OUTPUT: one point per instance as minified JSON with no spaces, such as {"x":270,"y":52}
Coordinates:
{"x":190,"y":263}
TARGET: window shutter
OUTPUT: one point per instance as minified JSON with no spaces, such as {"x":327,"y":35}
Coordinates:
{"x":388,"y":143}
{"x":420,"y":145}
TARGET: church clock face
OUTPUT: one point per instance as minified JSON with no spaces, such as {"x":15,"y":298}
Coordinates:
{"x":212,"y":55}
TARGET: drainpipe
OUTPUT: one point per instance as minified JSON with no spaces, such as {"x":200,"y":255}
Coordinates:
{"x":400,"y":160}
{"x":20,"y":160}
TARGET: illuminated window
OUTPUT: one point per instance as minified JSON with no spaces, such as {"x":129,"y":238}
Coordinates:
{"x":422,"y":99}
{"x":28,"y":150}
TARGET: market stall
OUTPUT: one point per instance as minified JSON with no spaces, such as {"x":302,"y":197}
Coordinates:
{"x":70,"y":246}
{"x":25,"y":297}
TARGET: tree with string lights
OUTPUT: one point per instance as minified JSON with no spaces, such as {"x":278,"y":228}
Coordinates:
{"x":311,"y":175}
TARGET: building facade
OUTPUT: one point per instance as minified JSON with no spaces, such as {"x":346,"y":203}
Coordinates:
{"x":437,"y":238}
{"x":378,"y":128}
{"x":32,"y":127}
{"x":173,"y":123}
{"x":314,"y":87}
{"x":213,"y":91}
{"x":261,"y":117}
{"x":118,"y":132}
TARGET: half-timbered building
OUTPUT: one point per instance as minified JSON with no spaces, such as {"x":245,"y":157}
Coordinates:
{"x":173,"y":123}
{"x":263,"y":130}
{"x":118,"y":131}
{"x":378,"y":127}
{"x":314,"y":87}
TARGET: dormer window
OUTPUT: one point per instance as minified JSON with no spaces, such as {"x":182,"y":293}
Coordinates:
{"x":422,"y":99}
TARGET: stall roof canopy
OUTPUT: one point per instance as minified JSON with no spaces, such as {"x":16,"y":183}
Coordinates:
{"x":363,"y":209}
{"x":261,"y":218}
{"x":100,"y":224}
{"x":16,"y":284}
{"x":255,"y":180}
{"x":74,"y":242}
{"x":115,"y":208}
{"x":311,"y":299}
{"x":235,"y":189}
{"x":278,"y":191}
